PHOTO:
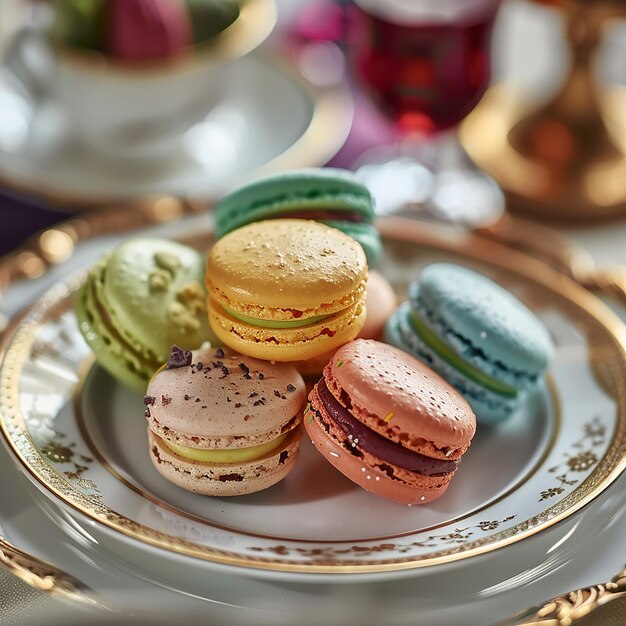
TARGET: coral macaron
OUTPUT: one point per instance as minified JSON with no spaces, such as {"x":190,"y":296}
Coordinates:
{"x":224,"y":425}
{"x":286,"y":290}
{"x":388,"y":422}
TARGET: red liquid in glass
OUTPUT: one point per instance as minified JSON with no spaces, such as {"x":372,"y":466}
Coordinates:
{"x":427,"y":76}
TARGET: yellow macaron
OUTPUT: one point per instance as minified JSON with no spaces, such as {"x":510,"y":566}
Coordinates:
{"x":286,"y":290}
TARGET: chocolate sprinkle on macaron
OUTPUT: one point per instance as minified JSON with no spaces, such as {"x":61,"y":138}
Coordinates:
{"x":178,"y":358}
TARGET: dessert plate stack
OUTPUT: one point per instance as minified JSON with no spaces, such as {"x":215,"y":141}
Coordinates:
{"x":510,"y":516}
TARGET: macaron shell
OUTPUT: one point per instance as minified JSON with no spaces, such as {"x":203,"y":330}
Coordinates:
{"x":380,"y":302}
{"x":370,"y":478}
{"x":286,"y":269}
{"x":226,"y":479}
{"x":489,"y":407}
{"x":365,"y":234}
{"x":318,"y":188}
{"x":111,"y":355}
{"x":296,"y":344}
{"x":401,"y":398}
{"x":239,"y":403}
{"x":487,"y":316}
{"x":152,"y":306}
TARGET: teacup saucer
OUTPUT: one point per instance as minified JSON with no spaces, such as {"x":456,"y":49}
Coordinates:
{"x":269,"y":118}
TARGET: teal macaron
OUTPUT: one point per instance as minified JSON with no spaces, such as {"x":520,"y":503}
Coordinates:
{"x":329,"y":195}
{"x":475,"y":334}
{"x":137,"y":301}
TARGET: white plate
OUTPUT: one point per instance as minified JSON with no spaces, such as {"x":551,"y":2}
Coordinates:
{"x":64,"y":561}
{"x":239,"y":139}
{"x":582,"y":550}
{"x":86,"y":448}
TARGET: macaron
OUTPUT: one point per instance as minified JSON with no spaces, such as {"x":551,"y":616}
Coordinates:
{"x":476,"y":334}
{"x":222,"y":424}
{"x":139,"y":30}
{"x":286,"y":290}
{"x":332,"y":196}
{"x":79,"y":23}
{"x":137,"y":301}
{"x":388,"y":422}
{"x":380,"y":303}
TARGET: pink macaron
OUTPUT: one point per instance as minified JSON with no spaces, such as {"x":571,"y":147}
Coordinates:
{"x":380,"y":303}
{"x":139,"y":30}
{"x":388,"y":422}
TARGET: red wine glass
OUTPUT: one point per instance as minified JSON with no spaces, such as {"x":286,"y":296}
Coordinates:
{"x":427,"y":64}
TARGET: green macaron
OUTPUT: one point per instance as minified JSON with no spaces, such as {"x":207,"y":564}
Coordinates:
{"x":138,"y":301}
{"x":329,"y":195}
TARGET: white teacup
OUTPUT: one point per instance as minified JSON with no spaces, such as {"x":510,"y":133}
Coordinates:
{"x":136,"y":111}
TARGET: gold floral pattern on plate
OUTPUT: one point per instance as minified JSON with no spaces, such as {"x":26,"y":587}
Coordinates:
{"x":581,"y":459}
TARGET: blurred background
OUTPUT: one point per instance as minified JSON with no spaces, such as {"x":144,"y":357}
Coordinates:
{"x":105,"y":102}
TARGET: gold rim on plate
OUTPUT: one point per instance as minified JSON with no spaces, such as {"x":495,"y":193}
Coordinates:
{"x":581,"y":305}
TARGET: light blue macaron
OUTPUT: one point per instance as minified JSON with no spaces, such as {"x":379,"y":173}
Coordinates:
{"x":476,"y":335}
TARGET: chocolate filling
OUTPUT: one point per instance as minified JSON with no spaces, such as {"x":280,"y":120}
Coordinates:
{"x":376,"y":444}
{"x":334,"y":216}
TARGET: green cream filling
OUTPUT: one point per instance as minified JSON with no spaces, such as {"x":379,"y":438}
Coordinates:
{"x":253,"y":321}
{"x":235,"y":455}
{"x":443,"y":351}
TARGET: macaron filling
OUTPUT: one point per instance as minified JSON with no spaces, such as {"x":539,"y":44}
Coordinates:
{"x":443,"y":351}
{"x":253,"y":321}
{"x":111,"y":330}
{"x":233,"y":455}
{"x":370,"y":441}
{"x":320,"y":215}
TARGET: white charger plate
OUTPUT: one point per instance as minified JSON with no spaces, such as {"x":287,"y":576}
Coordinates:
{"x":239,"y":139}
{"x":81,"y":438}
{"x":64,"y":561}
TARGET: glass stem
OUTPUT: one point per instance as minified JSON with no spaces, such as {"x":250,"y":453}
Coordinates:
{"x":449,"y":154}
